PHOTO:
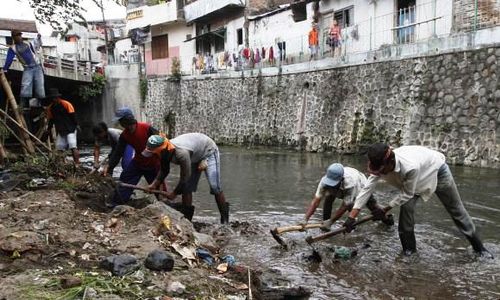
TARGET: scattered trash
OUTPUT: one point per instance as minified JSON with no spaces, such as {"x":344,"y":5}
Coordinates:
{"x":41,"y":225}
{"x":85,"y":257}
{"x":120,"y":265}
{"x":176,"y":287}
{"x":229,"y":259}
{"x":222,"y":268}
{"x":40,"y":182}
{"x":86,"y":246}
{"x":344,"y":252}
{"x":189,"y":254}
{"x":159,"y":260}
{"x":205,"y":256}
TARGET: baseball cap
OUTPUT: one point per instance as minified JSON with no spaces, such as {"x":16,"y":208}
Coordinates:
{"x":123,"y":112}
{"x":153,"y":143}
{"x":334,"y":175}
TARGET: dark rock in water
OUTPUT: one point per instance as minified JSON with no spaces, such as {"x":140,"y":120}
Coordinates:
{"x":159,"y":260}
{"x":120,"y":265}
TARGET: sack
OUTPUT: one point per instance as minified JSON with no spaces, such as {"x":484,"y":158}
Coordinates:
{"x":329,"y":41}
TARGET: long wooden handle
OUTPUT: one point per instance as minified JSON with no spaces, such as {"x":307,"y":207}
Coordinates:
{"x":136,"y":187}
{"x":280,"y":230}
{"x":311,"y":239}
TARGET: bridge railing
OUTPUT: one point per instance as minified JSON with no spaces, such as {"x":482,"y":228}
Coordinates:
{"x":59,"y":67}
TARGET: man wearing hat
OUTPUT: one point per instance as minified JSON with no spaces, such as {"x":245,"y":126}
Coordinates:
{"x":135,"y":134}
{"x":26,"y":53}
{"x":418,"y":172}
{"x":340,"y":182}
{"x":194,"y":153}
{"x":61,"y":113}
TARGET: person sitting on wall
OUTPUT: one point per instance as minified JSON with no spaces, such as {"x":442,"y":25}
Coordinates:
{"x":418,"y":172}
{"x":195,"y":153}
{"x":110,"y":137}
{"x":61,"y":113}
{"x":135,"y":134}
{"x":344,"y":183}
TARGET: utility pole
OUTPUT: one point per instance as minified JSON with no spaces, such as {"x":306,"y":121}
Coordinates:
{"x":246,"y":24}
{"x":105,"y":33}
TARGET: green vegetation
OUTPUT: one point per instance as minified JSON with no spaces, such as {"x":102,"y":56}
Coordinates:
{"x":176,"y":68}
{"x":96,"y":88}
{"x":126,"y":287}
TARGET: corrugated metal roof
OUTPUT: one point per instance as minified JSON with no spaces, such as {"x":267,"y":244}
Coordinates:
{"x":22,"y":25}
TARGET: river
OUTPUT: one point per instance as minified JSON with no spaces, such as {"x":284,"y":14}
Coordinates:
{"x":273,"y":188}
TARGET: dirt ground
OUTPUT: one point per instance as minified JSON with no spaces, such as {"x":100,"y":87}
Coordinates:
{"x":50,"y":235}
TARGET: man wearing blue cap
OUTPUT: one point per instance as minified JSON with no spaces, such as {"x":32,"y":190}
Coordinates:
{"x":135,"y":134}
{"x":418,"y":173}
{"x":340,"y":182}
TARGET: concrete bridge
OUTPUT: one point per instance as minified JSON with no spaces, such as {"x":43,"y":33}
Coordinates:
{"x":57,"y":67}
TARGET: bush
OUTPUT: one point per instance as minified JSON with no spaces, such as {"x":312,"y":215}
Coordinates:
{"x":95,"y":88}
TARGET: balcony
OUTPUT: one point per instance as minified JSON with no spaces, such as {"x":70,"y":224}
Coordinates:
{"x":203,"y":9}
{"x":152,"y":15}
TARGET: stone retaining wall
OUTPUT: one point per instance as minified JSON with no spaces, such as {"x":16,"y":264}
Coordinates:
{"x":448,"y":102}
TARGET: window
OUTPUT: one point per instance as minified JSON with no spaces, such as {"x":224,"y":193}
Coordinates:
{"x":159,"y":46}
{"x":345,"y":17}
{"x":239,"y":35}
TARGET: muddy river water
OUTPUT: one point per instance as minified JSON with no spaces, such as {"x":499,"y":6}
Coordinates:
{"x":272,"y":188}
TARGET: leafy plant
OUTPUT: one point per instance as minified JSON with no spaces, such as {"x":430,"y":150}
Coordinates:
{"x":175,"y":69}
{"x":93,"y":89}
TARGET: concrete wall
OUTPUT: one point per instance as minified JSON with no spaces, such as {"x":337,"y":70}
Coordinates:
{"x":449,"y":102}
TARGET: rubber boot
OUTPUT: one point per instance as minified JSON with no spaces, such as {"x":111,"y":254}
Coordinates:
{"x":186,"y":210}
{"x":478,"y":247}
{"x":224,"y":212}
{"x":389,"y":220}
{"x":408,"y":242}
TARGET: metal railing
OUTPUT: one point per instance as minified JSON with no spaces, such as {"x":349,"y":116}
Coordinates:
{"x":59,"y":67}
{"x":403,"y":27}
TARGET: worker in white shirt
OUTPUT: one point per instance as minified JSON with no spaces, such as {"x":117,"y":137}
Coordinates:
{"x":344,"y":183}
{"x":418,"y":172}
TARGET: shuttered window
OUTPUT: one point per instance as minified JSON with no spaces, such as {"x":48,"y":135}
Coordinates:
{"x":159,"y":45}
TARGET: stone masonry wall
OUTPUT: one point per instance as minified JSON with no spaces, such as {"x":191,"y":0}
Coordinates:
{"x":464,"y":14}
{"x":448,"y":102}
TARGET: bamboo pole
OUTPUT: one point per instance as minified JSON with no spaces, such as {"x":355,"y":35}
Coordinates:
{"x":19,"y":117}
{"x":24,"y":130}
{"x":19,"y":139}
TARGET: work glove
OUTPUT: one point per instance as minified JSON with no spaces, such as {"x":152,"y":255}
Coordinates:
{"x":202,"y":166}
{"x":378,"y":214}
{"x":349,"y":224}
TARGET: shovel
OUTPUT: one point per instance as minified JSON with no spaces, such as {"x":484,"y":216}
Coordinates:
{"x":279,"y":230}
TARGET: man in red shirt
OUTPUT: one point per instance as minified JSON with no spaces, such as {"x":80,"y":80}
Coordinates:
{"x":135,"y":134}
{"x":61,"y":113}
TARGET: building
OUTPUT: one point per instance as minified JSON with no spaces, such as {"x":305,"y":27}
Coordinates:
{"x":160,"y":31}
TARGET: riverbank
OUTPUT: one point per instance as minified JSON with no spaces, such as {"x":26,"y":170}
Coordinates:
{"x":55,"y":234}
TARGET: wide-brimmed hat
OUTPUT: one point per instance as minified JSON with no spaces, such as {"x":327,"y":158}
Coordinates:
{"x":334,"y":174}
{"x":53,"y":93}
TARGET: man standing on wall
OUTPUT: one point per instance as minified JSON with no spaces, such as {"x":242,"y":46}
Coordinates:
{"x":26,"y":53}
{"x":418,"y":172}
{"x":313,"y":41}
{"x":61,"y":113}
